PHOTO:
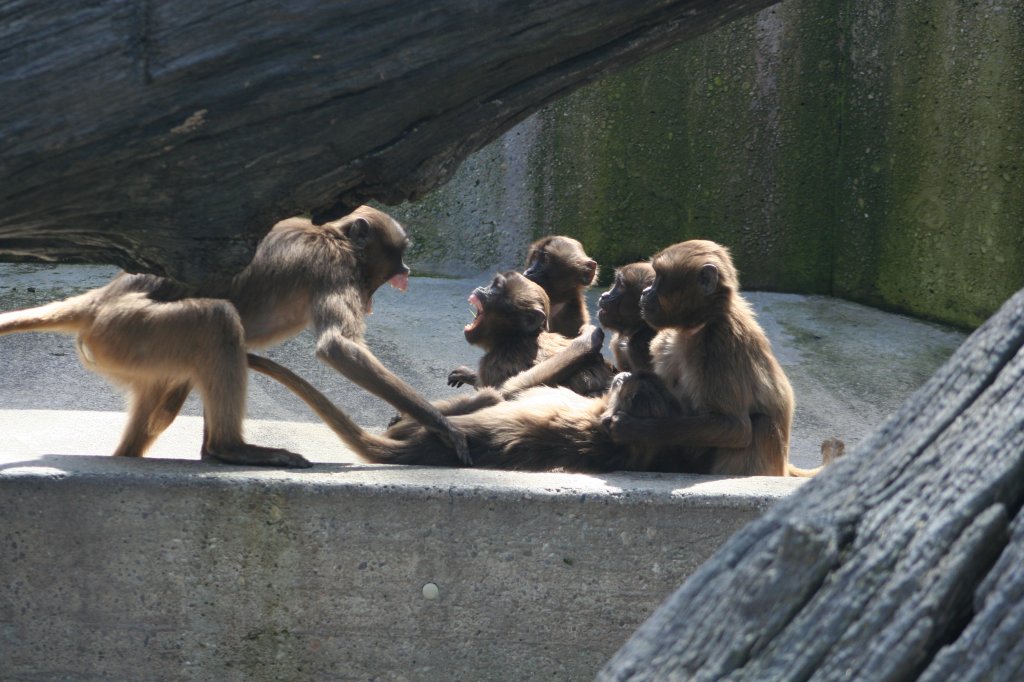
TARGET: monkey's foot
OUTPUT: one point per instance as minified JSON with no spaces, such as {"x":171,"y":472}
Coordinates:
{"x":256,"y":455}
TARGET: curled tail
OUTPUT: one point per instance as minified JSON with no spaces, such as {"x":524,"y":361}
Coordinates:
{"x":369,"y":446}
{"x":59,"y":316}
{"x":792,"y":470}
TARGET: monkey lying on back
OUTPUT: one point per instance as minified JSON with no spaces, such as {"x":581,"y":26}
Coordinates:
{"x":540,"y":429}
{"x":619,"y":311}
{"x":564,"y":270}
{"x":159,"y":340}
{"x":510,"y":325}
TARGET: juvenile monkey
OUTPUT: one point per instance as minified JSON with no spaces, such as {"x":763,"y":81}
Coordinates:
{"x":159,"y":340}
{"x":511,"y":315}
{"x":540,"y":429}
{"x":717,"y":361}
{"x":563,"y":269}
{"x":618,"y":309}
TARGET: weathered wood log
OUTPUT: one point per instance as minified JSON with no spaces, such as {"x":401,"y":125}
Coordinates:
{"x":903,"y":561}
{"x":169,"y":136}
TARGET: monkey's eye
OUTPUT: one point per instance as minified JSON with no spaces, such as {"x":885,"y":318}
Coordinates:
{"x":498,"y":282}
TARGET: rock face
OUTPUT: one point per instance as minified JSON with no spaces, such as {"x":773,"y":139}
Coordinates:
{"x":901,"y":562}
{"x":168,"y":137}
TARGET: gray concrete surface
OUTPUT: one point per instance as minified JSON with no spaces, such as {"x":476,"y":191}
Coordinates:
{"x":850,"y":366}
{"x":181,"y":570}
{"x":184,"y":570}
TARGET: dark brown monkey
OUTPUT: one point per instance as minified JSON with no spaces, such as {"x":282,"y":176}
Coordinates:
{"x":618,"y":309}
{"x":717,"y":361}
{"x":540,"y":429}
{"x":562,"y":267}
{"x":159,"y":340}
{"x":511,"y":317}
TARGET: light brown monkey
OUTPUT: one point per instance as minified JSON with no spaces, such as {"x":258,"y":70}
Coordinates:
{"x":539,"y":429}
{"x":563,"y":269}
{"x":717,"y":361}
{"x":511,"y":318}
{"x":618,"y":309}
{"x":158,"y":339}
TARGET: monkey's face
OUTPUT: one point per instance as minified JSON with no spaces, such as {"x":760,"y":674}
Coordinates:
{"x":618,"y":308}
{"x":692,"y":281}
{"x":560,"y":266}
{"x":642,"y":395}
{"x":380,"y":244}
{"x":509,"y":306}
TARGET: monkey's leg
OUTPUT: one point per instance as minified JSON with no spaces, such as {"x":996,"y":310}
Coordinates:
{"x":221,"y":377}
{"x":152,"y":409}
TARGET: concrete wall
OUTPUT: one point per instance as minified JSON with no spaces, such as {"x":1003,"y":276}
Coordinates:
{"x":869,"y":149}
{"x":170,"y":570}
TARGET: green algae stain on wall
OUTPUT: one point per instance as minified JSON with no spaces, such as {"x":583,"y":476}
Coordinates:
{"x":933,"y":148}
{"x":869,"y":149}
{"x":708,"y":140}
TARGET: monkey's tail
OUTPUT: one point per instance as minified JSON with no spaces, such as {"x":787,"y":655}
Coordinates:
{"x":369,"y":446}
{"x":360,"y":440}
{"x":792,"y":470}
{"x":59,"y":316}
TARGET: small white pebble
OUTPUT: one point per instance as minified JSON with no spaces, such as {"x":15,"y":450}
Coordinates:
{"x":430,"y":591}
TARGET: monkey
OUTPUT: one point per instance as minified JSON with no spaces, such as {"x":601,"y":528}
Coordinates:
{"x":510,"y":320}
{"x":563,"y":269}
{"x":716,"y":360}
{"x":159,"y":339}
{"x":538,"y":428}
{"x":618,"y":309}
{"x":832,"y":449}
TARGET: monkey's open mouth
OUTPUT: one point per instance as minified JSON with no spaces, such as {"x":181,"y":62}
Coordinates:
{"x":478,"y":313}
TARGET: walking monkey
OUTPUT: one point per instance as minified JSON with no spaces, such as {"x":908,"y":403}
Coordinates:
{"x":159,"y":340}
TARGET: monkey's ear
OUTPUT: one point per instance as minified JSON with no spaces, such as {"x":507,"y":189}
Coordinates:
{"x":357,"y":231}
{"x":536,"y":320}
{"x":590,"y":272}
{"x":707,"y":279}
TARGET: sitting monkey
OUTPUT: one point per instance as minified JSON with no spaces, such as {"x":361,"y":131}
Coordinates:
{"x":510,"y":324}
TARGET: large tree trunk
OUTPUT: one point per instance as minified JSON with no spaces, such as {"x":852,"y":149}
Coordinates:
{"x":902,"y":562}
{"x":169,"y":136}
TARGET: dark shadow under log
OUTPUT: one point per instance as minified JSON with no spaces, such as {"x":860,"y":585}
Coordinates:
{"x":901,"y":562}
{"x":169,"y":136}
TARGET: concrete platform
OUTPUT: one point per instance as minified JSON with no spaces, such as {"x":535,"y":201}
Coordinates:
{"x":176,"y":569}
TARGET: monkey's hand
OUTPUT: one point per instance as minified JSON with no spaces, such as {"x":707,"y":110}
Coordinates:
{"x":462,"y":375}
{"x":627,"y":430}
{"x":456,"y":440}
{"x":590,"y":339}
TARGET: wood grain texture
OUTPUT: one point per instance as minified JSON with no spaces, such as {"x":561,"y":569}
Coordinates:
{"x":168,"y":137}
{"x":903,"y":561}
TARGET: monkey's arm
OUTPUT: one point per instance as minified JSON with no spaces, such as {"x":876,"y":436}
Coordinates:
{"x":559,"y":366}
{"x":359,"y":365}
{"x":707,"y":430}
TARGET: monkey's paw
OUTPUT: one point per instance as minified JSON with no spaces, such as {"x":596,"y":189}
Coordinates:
{"x":462,"y":375}
{"x":590,"y":339}
{"x":626,"y":430}
{"x":457,"y":441}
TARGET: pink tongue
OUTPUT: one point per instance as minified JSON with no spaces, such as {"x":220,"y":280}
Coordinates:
{"x":400,"y":282}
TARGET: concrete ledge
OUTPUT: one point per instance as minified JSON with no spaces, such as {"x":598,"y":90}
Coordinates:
{"x":181,"y":570}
